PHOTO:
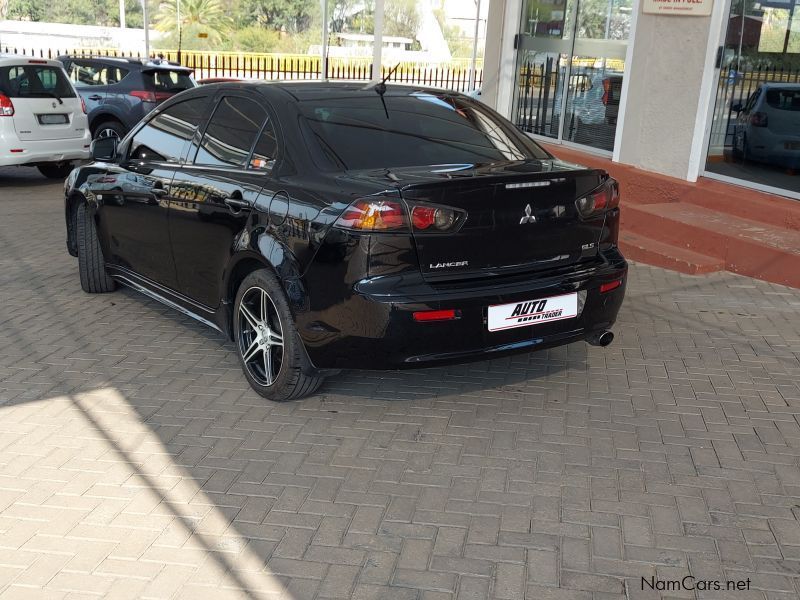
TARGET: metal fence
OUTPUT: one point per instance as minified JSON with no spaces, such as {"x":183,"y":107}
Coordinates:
{"x":734,"y":87}
{"x":234,"y":65}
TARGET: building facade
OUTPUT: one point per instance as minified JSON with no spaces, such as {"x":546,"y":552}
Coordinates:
{"x":684,"y":88}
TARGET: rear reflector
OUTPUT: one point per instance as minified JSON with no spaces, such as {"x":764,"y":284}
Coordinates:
{"x":611,"y":285}
{"x":437,"y":315}
{"x":17,"y":150}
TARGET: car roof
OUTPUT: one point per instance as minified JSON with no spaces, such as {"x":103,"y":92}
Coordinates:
{"x":21,"y":59}
{"x":303,"y":91}
{"x":783,"y":86}
{"x":130,"y":60}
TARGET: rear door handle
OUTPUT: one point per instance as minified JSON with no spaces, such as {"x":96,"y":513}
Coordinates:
{"x":236,"y":204}
{"x":95,"y":97}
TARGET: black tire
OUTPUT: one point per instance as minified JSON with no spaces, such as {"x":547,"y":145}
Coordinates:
{"x":55,"y":170}
{"x":261,"y":293}
{"x":109,"y":129}
{"x":91,"y":264}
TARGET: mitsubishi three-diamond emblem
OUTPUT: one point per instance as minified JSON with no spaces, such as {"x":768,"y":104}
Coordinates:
{"x":528,"y":217}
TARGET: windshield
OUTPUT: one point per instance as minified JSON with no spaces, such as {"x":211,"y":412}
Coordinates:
{"x":421,"y":128}
{"x":34,"y":81}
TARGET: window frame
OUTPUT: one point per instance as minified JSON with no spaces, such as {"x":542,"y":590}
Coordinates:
{"x":261,"y":101}
{"x":127,"y":142}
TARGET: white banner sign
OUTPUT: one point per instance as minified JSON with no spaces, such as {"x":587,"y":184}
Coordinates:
{"x":690,"y":8}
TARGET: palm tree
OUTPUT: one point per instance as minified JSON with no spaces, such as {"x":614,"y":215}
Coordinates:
{"x":206,"y":16}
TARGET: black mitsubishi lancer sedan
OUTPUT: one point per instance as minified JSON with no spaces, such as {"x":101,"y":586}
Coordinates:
{"x":335,"y":225}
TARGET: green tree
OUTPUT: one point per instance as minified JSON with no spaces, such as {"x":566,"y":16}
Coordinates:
{"x":290,"y":16}
{"x":197,"y":17}
{"x":76,"y":12}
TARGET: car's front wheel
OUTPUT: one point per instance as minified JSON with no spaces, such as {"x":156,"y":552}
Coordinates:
{"x":91,"y":263}
{"x":267,"y":341}
{"x":55,"y":170}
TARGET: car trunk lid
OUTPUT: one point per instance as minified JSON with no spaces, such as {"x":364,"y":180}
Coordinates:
{"x":521,"y":217}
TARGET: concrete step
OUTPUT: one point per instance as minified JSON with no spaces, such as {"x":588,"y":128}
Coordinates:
{"x":745,"y":246}
{"x":667,"y":256}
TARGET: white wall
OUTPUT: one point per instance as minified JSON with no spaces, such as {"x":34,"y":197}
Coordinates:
{"x":670,"y":81}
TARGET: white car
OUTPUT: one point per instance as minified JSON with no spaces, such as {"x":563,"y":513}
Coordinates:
{"x":42,"y":119}
{"x":767,"y":126}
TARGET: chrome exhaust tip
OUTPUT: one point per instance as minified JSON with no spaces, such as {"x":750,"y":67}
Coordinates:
{"x":602,"y":339}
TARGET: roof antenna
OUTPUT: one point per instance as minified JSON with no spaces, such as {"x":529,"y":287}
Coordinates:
{"x":380,"y":87}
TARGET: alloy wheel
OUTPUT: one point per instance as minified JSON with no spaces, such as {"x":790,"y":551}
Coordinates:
{"x":107,"y":133}
{"x":260,"y":336}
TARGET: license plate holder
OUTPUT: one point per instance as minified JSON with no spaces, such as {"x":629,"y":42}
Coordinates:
{"x":53,"y":119}
{"x":532,"y":312}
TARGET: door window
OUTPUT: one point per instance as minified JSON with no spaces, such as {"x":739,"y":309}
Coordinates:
{"x":85,"y":74}
{"x":165,"y":137}
{"x":266,"y":150}
{"x":231,"y":132}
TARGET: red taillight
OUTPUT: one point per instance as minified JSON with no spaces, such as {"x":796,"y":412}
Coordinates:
{"x":83,"y":105}
{"x":600,"y":200}
{"x":758,"y":119}
{"x":143,"y":95}
{"x":611,"y":285}
{"x":37,"y":62}
{"x":6,"y":106}
{"x":438,"y":218}
{"x":437,"y":315}
{"x":107,"y":179}
{"x":374,"y":215}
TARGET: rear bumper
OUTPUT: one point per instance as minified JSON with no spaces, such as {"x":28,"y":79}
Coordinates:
{"x":376,"y":330}
{"x":42,"y":151}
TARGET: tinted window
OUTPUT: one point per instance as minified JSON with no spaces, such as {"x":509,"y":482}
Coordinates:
{"x":35,"y":81}
{"x":784,"y":99}
{"x":85,"y":74}
{"x":421,"y":128}
{"x":266,"y":149}
{"x":170,"y":82}
{"x":230,"y":133}
{"x":164,"y":138}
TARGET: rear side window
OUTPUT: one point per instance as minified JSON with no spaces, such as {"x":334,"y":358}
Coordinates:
{"x":167,"y":82}
{"x":35,"y":81}
{"x":164,"y":138}
{"x":84,"y":74}
{"x":230,"y":133}
{"x":784,"y":99}
{"x":266,"y":150}
{"x":420,"y":128}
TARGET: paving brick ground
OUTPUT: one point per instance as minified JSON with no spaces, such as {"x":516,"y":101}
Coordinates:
{"x":135,"y":462}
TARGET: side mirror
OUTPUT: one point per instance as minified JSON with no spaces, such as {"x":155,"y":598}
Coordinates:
{"x":104,"y":149}
{"x":737,"y":107}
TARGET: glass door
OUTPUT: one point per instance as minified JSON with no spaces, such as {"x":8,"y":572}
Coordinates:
{"x":755,"y":128}
{"x":570,"y":65}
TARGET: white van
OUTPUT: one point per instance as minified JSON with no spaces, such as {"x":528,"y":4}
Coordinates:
{"x":42,"y":119}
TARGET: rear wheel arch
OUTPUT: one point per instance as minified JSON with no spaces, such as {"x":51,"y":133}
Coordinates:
{"x":105,"y":118}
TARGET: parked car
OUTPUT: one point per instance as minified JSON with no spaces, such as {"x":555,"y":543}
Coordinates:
{"x":42,"y":119}
{"x":119,"y":92}
{"x":767,"y":125}
{"x":325,"y":226}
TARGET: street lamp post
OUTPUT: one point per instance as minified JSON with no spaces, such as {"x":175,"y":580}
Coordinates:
{"x":146,"y":29}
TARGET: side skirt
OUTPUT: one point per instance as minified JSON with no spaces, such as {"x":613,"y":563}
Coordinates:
{"x":166,"y":297}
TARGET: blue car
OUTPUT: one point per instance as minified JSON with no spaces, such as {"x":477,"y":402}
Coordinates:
{"x":119,"y":92}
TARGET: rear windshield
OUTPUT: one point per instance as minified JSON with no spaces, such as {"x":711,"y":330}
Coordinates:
{"x":421,"y":128}
{"x":784,"y":99}
{"x":170,"y":82}
{"x":35,"y":81}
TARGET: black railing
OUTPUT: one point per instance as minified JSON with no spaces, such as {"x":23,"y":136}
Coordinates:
{"x":281,"y":67}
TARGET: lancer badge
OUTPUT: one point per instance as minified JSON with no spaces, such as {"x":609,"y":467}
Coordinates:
{"x":528,"y":217}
